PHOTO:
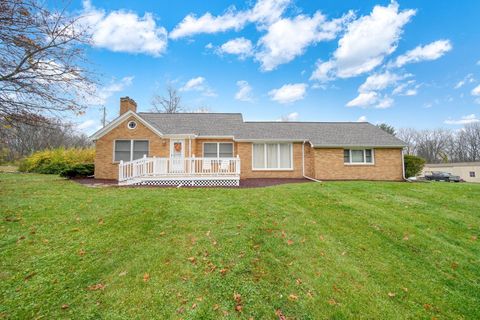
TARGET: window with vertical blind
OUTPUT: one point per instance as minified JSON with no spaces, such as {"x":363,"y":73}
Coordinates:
{"x":272,"y":156}
{"x":128,"y":150}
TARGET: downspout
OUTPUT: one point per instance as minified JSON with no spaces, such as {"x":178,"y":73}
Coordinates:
{"x":303,"y":164}
{"x":403,"y":165}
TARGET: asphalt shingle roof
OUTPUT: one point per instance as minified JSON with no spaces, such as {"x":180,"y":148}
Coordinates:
{"x":320,"y":134}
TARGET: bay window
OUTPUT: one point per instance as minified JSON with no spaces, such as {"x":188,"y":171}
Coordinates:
{"x":358,"y":156}
{"x":128,"y":150}
{"x":275,"y":156}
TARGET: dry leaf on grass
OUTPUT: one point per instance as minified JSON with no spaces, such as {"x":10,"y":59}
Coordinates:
{"x":293,"y":297}
{"x":280,"y":315}
{"x":65,"y":306}
{"x":332,"y":302}
{"x":122,"y":274}
{"x":391,"y":294}
{"x":95,"y":287}
{"x":146,"y":277}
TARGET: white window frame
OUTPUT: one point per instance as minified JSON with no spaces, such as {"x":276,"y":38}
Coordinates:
{"x":278,"y":156}
{"x":218,"y":148}
{"x":364,"y":163}
{"x":131,"y":147}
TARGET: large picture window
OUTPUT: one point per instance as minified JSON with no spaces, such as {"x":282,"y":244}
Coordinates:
{"x":128,"y":150}
{"x":358,"y":156}
{"x":275,"y":156}
{"x":218,"y":150}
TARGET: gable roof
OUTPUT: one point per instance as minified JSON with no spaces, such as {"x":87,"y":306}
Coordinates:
{"x":319,"y":134}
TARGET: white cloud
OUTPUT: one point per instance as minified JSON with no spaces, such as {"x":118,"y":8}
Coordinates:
{"x":371,"y":99}
{"x":98,"y":96}
{"x":244,"y":92}
{"x":471,"y":118}
{"x":86,"y":124}
{"x":263,"y":13}
{"x":124,"y":31}
{"x":290,"y":117}
{"x":238,"y":46}
{"x":288,"y":93}
{"x":476,"y":91}
{"x":478,"y":63}
{"x":431,"y":51}
{"x":362,"y":119}
{"x":411,"y":92}
{"x":199,"y":84}
{"x":468,"y":79}
{"x":288,"y":38}
{"x":367,"y":41}
{"x":380,"y":81}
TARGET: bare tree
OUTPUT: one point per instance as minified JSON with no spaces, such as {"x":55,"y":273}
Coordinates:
{"x":23,"y":138}
{"x":41,"y":61}
{"x":170,"y":103}
{"x":409,"y":136}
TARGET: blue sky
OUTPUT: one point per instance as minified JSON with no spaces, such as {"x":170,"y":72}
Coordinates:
{"x":406,"y":63}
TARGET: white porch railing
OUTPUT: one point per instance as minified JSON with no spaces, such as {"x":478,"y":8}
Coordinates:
{"x":153,"y":167}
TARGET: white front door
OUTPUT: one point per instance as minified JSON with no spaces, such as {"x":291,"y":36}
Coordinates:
{"x":177,"y":155}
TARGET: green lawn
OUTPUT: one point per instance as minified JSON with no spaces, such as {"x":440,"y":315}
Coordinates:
{"x":310,"y":251}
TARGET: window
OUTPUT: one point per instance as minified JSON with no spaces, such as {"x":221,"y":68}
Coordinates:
{"x":128,"y":150}
{"x":472,"y":174}
{"x":268,"y":156}
{"x":358,"y":156}
{"x":218,"y":150}
{"x":132,"y":125}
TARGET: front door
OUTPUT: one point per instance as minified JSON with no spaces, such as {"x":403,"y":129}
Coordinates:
{"x":177,"y":156}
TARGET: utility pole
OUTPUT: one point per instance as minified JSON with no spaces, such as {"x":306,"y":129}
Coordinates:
{"x":104,"y":116}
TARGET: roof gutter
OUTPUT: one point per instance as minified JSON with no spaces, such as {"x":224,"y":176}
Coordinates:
{"x":303,"y":164}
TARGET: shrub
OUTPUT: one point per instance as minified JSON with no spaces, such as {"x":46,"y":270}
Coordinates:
{"x":413,"y":165}
{"x":54,"y":161}
{"x":78,"y":170}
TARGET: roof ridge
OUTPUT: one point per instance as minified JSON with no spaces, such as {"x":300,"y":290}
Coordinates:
{"x":333,"y":122}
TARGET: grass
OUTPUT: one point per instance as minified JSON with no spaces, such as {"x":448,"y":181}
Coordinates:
{"x":334,"y":250}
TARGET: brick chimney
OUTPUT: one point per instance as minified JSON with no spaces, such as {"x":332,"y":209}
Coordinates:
{"x":127,"y":104}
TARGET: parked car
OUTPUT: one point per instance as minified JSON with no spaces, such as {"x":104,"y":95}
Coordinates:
{"x":442,"y":176}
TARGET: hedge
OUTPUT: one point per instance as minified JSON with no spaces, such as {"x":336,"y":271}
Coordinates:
{"x":413,"y":165}
{"x":55,"y":161}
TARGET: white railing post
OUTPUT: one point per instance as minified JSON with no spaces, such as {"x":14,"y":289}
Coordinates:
{"x":193,"y":167}
{"x":120,"y":171}
{"x":144,"y":169}
{"x":237,"y":165}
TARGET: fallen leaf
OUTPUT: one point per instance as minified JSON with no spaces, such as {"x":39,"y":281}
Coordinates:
{"x":208,"y":233}
{"x":322,"y":238}
{"x":81,"y":252}
{"x":391,"y":294}
{"x":474,"y":238}
{"x":65,"y":306}
{"x":180,"y":310}
{"x":289,"y":242}
{"x":332,"y":302}
{"x":146,"y":277}
{"x":344,"y":253}
{"x":293,"y":297}
{"x":238,"y":308}
{"x":298,"y":281}
{"x":100,"y":221}
{"x":194,"y":306}
{"x":191,"y":259}
{"x":95,"y":287}
{"x":310,"y":294}
{"x":405,"y":289}
{"x":122,"y":274}
{"x":30,"y":275}
{"x":405,"y":237}
{"x":280,"y":315}
{"x":216,"y":307}
{"x":237,"y":297}
{"x":162,"y":233}
{"x":223,"y":272}
{"x":454,"y":265}
{"x":427,"y":306}
{"x":284,"y":234}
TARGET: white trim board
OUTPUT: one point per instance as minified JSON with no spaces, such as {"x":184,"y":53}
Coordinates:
{"x":112,"y":125}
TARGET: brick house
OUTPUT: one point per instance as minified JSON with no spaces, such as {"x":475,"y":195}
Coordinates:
{"x":221,"y":148}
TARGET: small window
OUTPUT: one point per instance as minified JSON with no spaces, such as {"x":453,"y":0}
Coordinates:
{"x":132,"y":125}
{"x":128,"y":150}
{"x":472,"y":174}
{"x":218,"y":150}
{"x":358,"y":156}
